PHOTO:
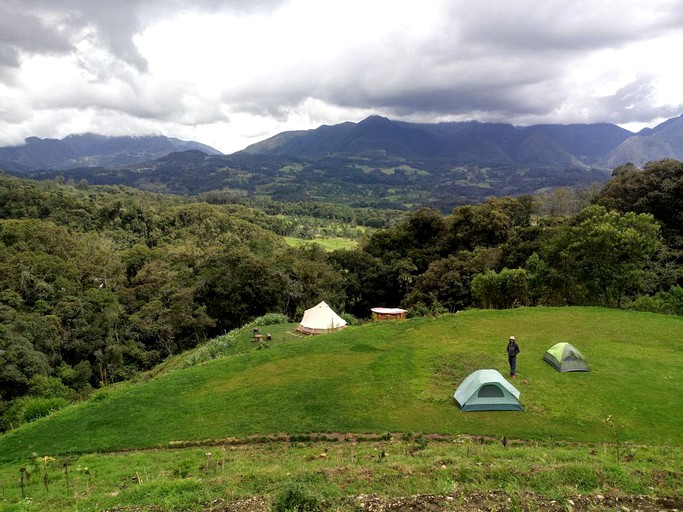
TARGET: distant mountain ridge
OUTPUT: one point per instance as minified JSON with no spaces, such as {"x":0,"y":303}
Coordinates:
{"x":375,"y":163}
{"x":91,"y":150}
{"x":576,"y":146}
{"x":663,"y":141}
{"x":550,"y":146}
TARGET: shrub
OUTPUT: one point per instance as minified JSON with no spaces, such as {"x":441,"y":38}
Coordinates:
{"x":297,"y":497}
{"x":50,"y":387}
{"x":648,"y":303}
{"x":212,"y":349}
{"x":28,"y":408}
{"x":36,"y":408}
{"x":669,"y":302}
{"x":220,"y":346}
{"x":501,"y":290}
{"x":350,"y":319}
{"x":420,"y":309}
{"x":421,"y":442}
{"x":267,"y":319}
{"x":100,"y":394}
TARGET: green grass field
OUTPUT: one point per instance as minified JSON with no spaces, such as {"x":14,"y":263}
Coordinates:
{"x":370,"y":380}
{"x":458,"y":475}
{"x":398,"y":377}
{"x":329,"y":244}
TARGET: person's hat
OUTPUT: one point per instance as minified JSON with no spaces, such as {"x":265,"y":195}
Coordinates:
{"x":512,"y":337}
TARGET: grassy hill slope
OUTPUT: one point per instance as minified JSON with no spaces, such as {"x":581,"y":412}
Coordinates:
{"x":398,"y":377}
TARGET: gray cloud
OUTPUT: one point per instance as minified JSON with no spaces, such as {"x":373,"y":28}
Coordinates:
{"x":636,"y":99}
{"x":441,"y":76}
{"x":21,"y":31}
{"x":52,"y":26}
{"x":506,"y":61}
{"x":500,"y":60}
{"x":562,"y":25}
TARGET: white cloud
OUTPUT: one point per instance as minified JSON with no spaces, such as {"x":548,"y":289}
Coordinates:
{"x":231,"y":74}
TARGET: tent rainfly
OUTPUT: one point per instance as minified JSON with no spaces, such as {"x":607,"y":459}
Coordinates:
{"x":487,"y":390}
{"x":565,"y":357}
{"x":320,"y":319}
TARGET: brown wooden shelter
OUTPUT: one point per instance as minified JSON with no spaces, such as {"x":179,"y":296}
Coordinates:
{"x":388,"y":313}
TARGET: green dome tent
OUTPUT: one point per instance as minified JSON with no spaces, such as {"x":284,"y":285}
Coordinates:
{"x":487,"y":390}
{"x":565,"y":357}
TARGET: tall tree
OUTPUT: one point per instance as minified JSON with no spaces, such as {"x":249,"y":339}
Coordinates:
{"x":447,"y":283}
{"x":657,"y":189}
{"x":599,"y":256}
{"x":237,"y":286}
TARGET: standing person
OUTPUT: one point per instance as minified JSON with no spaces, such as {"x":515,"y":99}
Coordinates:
{"x":513,"y":350}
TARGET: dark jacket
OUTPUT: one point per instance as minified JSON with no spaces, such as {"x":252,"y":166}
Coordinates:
{"x":513,"y":349}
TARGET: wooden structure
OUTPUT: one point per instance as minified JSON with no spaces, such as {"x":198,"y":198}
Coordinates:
{"x":389,"y":314}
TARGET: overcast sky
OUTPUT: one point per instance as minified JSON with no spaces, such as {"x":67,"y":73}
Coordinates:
{"x":230,"y":73}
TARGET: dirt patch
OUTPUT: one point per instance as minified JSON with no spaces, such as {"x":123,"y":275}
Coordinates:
{"x":476,"y":502}
{"x":252,"y":504}
{"x":333,"y":437}
{"x":489,"y":502}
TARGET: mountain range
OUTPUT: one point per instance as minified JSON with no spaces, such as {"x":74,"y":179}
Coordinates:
{"x":91,"y":150}
{"x":376,"y":162}
{"x":577,"y":146}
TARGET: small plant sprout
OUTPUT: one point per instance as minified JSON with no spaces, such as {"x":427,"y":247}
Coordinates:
{"x":421,"y":443}
{"x":617,"y":444}
{"x":22,"y":473}
{"x":33,"y":465}
{"x":46,"y":477}
{"x":66,"y":475}
{"x":86,"y":471}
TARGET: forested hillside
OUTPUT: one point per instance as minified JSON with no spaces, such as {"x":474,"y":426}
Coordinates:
{"x":98,"y":283}
{"x":375,"y":180}
{"x":91,"y":150}
{"x":374,"y":163}
{"x":552,"y":146}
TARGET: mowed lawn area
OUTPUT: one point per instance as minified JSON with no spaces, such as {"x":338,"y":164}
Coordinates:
{"x":399,"y":376}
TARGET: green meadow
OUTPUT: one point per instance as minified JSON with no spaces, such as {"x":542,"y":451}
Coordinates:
{"x":329,"y":244}
{"x":397,"y":377}
{"x":391,"y":383}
